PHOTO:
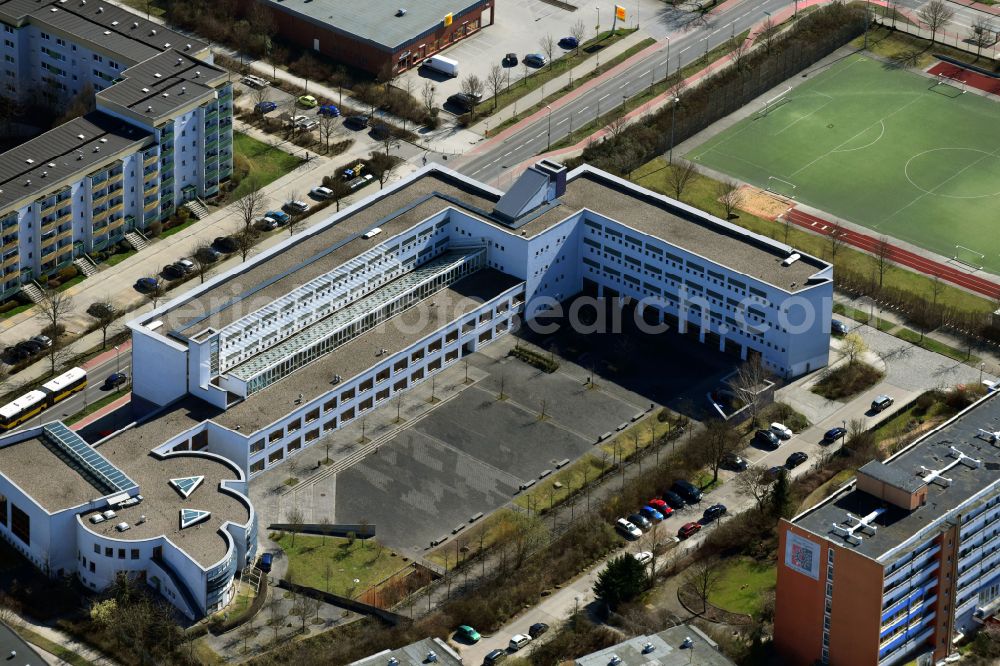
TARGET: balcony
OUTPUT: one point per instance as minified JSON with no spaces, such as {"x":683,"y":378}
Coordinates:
{"x":152,"y":175}
{"x":149,"y":160}
{"x":116,"y":224}
{"x":97,"y":182}
{"x":48,"y":209}
{"x":151,"y":206}
{"x":48,"y":255}
{"x":9,"y":245}
{"x":116,"y":178}
{"x":99,"y":201}
{"x":116,"y":208}
{"x":10,"y":261}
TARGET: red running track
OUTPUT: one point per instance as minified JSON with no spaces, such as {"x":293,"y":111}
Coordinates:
{"x":898,"y":255}
{"x":971,"y":78}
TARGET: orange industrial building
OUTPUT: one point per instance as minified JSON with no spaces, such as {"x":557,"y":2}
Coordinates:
{"x":902,"y":563}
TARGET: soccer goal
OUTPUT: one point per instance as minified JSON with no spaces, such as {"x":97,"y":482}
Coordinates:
{"x":953,"y":83}
{"x":774,"y":103}
{"x":781,"y":187}
{"x":968,"y":258}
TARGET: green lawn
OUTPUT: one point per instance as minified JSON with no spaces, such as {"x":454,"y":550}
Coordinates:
{"x":257,"y":162}
{"x":118,"y":258}
{"x":364,"y":560}
{"x":936,"y":346}
{"x":740,"y":585}
{"x":72,"y":281}
{"x":826,"y":489}
{"x":18,"y":310}
{"x":59,"y":651}
{"x":884,"y":148}
{"x":94,"y":406}
{"x":702,"y":193}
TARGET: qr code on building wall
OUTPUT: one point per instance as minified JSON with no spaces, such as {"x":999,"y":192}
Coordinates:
{"x":802,"y":558}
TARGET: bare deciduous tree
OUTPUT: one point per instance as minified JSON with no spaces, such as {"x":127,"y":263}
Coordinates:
{"x":730,"y":196}
{"x":882,"y":251}
{"x":768,"y":35}
{"x":982,"y":34}
{"x":154,"y":294}
{"x":275,"y":614}
{"x":201,"y":266}
{"x":328,"y":128}
{"x":250,"y":206}
{"x":755,"y":482}
{"x":472,"y":86}
{"x":936,"y":14}
{"x":578,"y":30}
{"x":258,"y":96}
{"x":703,"y":578}
{"x":429,"y":94}
{"x":105,"y":312}
{"x":54,"y":307}
{"x":739,"y":50}
{"x":680,"y":173}
{"x":718,"y":441}
{"x":548,"y":46}
{"x":495,"y":80}
{"x":747,"y":384}
{"x":294,"y":518}
{"x":245,"y":240}
{"x":836,"y":238}
{"x":616,"y":126}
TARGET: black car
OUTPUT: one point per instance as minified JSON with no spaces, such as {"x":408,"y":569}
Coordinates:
{"x":833,"y":434}
{"x":225,"y":244}
{"x":510,"y":60}
{"x":838,"y":327}
{"x":537,"y":629}
{"x":12,"y":355}
{"x":356,"y":122}
{"x":380,"y":131}
{"x":464,"y":101}
{"x":767,"y":439}
{"x":494,"y":657}
{"x":640,"y":521}
{"x":734,"y":462}
{"x":30,"y":346}
{"x":673,"y":499}
{"x":796,"y":459}
{"x":715,"y":512}
{"x":172,"y":272}
{"x":115,"y":379}
{"x":207,"y":254}
{"x":690,"y":492}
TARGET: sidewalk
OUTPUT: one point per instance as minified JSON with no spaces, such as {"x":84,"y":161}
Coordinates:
{"x":56,"y":636}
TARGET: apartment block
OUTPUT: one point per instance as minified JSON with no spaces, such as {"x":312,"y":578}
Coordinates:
{"x":902,"y":563}
{"x":161,"y":133}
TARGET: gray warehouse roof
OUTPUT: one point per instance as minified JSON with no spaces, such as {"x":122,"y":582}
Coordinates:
{"x":932,"y":453}
{"x":100,"y":25}
{"x":376,"y":21}
{"x":61,"y":154}
{"x":677,"y":646}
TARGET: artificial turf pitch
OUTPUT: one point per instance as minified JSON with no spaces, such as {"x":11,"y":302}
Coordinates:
{"x":883,"y":148}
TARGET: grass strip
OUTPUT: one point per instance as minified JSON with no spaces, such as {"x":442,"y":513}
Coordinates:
{"x":53,"y":648}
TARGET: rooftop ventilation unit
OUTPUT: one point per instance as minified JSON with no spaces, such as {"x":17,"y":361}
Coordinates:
{"x":187,"y":47}
{"x":121,"y":527}
{"x":30,"y":161}
{"x":400,"y":12}
{"x":157,"y":75}
{"x":52,"y":164}
{"x":100,"y":10}
{"x":432,"y":657}
{"x":792,"y":258}
{"x":44,"y":174}
{"x":180,"y":61}
{"x":152,"y":32}
{"x":145,"y":90}
{"x":107,"y":32}
{"x":166,"y":94}
{"x":166,"y":45}
{"x":114,"y":23}
{"x":149,"y":109}
{"x":27,"y":182}
{"x":135,"y":24}
{"x":79,"y":136}
{"x":103,"y":140}
{"x":197,"y":73}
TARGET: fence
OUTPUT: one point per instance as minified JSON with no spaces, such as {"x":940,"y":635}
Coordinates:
{"x":891,"y":18}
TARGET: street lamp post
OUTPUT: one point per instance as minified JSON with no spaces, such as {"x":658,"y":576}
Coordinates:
{"x":117,"y":354}
{"x":981,"y":367}
{"x":548,"y":138}
{"x":673,"y":114}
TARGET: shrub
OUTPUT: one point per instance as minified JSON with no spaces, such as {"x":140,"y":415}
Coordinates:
{"x":155,"y":229}
{"x":68,"y":272}
{"x":540,"y":361}
{"x":847,"y":380}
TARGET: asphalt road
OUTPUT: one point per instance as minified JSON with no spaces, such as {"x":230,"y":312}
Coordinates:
{"x":688,"y":36}
{"x":95,"y":391}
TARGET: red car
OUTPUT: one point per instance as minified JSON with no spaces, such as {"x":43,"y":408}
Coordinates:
{"x":689,"y":529}
{"x":661,"y":506}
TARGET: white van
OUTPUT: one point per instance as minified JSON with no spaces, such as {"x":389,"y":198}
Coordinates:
{"x":441,"y":64}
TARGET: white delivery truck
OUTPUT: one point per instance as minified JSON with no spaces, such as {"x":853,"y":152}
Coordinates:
{"x":442,"y":64}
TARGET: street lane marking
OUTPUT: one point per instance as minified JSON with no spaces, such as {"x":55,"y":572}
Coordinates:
{"x":507,"y":154}
{"x":562,"y":121}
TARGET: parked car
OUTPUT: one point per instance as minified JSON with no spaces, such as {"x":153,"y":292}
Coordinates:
{"x":781,"y":430}
{"x":537,"y":629}
{"x":833,"y":434}
{"x":356,"y":122}
{"x":278,"y":216}
{"x":30,"y":346}
{"x":569,"y":42}
{"x":146,"y":284}
{"x":207,"y":254}
{"x":690,"y":492}
{"x":254,"y":81}
{"x":44,"y":340}
{"x":306,"y":123}
{"x":627,"y":529}
{"x":510,"y":60}
{"x":774,"y":472}
{"x":115,"y":379}
{"x":715,"y":512}
{"x":307,"y":102}
{"x":643,"y":557}
{"x":796,"y":459}
{"x":651,"y":513}
{"x":225,"y":244}
{"x":266,"y":223}
{"x":881,"y":403}
{"x":640,"y":521}
{"x":329,"y":110}
{"x":518,"y":641}
{"x":838,"y":327}
{"x":265,"y":562}
{"x":767,"y":439}
{"x":688,"y":530}
{"x":172,"y":272}
{"x":186,"y":265}
{"x":264,"y":107}
{"x":466,"y":632}
{"x":535,"y":60}
{"x":674,"y":500}
{"x":12,"y":355}
{"x":321,"y":192}
{"x":734,"y":462}
{"x":660,"y":506}
{"x":295,"y":206}
{"x":464,"y":101}
{"x":494,"y":657}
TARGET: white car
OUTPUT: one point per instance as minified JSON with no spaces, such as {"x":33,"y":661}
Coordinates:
{"x":305,"y":122}
{"x":518,"y":641}
{"x":254,"y":81}
{"x":186,"y":265}
{"x":627,"y":528}
{"x":643,"y":557}
{"x":781,"y":430}
{"x":321,"y":192}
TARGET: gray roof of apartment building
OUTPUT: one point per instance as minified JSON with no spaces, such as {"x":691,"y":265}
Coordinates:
{"x":415,"y":654}
{"x":61,"y":154}
{"x":357,"y":355}
{"x":157,"y":87}
{"x":662,"y":649}
{"x":893,"y":475}
{"x":377,"y":23}
{"x":262,"y":281}
{"x":895,"y":526}
{"x":118,"y":32}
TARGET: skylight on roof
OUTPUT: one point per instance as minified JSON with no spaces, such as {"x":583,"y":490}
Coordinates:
{"x":191,"y":517}
{"x":186,"y":485}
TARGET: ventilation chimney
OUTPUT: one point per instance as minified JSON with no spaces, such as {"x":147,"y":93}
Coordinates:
{"x":557,"y":177}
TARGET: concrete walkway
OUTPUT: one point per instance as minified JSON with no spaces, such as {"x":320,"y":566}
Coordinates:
{"x":65,"y":640}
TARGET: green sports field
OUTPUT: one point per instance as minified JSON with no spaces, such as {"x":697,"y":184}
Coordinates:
{"x":883,"y":148}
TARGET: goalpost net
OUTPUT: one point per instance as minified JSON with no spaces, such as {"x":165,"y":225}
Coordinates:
{"x":773,"y":103}
{"x":954,"y":82}
{"x":968,"y":257}
{"x":781,"y":187}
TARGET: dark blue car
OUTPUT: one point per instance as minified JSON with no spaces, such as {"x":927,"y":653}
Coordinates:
{"x":279,"y":216}
{"x":569,"y":42}
{"x":329,"y":110}
{"x":651,"y":513}
{"x":265,"y":562}
{"x":265,"y":107}
{"x":833,"y":434}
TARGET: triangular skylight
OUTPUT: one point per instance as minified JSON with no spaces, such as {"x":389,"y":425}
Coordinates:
{"x":191,"y":517}
{"x":186,"y":485}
